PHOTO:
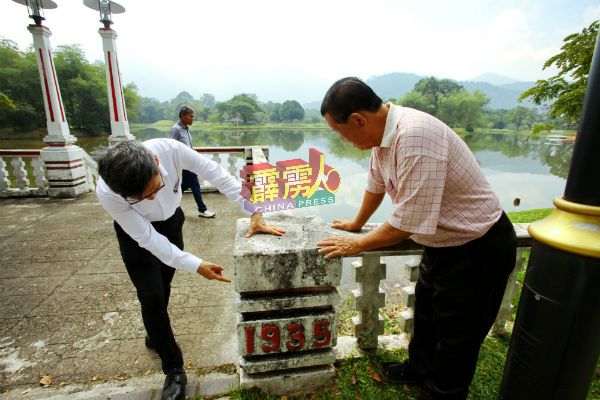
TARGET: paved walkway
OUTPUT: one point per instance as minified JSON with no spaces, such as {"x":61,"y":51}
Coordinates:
{"x":68,"y":308}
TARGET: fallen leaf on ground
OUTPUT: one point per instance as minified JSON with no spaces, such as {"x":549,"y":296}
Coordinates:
{"x":188,"y":365}
{"x":26,"y":391}
{"x":374,"y":374}
{"x":46,"y":380}
{"x":353,"y":379}
{"x":406,"y":388}
{"x":283,"y":397}
{"x":96,"y":377}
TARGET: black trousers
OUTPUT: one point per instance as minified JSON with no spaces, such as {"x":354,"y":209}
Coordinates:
{"x":457,"y":298}
{"x":152,"y":280}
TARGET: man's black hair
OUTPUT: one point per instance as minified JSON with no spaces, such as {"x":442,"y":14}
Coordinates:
{"x":127,"y":167}
{"x":185,"y":110}
{"x":349,"y":95}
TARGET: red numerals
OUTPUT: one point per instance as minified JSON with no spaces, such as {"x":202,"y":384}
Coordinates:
{"x":319,"y":333}
{"x":270,"y":333}
{"x":297,"y":335}
{"x":249,"y":340}
{"x":271,"y":337}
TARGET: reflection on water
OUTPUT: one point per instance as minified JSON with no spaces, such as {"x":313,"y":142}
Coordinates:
{"x":528,"y":168}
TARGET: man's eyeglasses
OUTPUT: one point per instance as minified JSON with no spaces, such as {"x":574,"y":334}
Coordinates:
{"x":135,"y":201}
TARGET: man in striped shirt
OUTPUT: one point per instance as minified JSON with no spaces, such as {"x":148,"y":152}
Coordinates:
{"x":441,"y":200}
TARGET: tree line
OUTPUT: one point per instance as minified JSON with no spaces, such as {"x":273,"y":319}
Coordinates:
{"x":242,"y":108}
{"x":459,"y":108}
{"x":83,"y":89}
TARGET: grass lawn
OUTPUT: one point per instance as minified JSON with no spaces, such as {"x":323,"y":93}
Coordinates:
{"x":357,"y":378}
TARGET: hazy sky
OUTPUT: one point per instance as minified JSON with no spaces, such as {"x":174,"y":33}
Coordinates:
{"x":282,"y":49}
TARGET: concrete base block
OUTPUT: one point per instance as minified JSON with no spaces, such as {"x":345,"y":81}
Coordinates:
{"x":287,"y":361}
{"x":286,"y":382}
{"x":347,"y":346}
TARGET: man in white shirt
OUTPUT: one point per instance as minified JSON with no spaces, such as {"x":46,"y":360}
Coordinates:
{"x":139,"y":186}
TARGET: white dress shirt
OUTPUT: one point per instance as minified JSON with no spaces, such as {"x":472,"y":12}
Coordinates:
{"x":173,"y":157}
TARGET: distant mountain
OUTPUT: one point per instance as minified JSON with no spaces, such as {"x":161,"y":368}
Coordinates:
{"x":494,"y":79}
{"x":397,"y":84}
{"x":504,"y":96}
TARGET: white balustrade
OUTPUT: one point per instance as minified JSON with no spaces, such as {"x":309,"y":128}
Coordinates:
{"x":369,"y":271}
{"x":15,"y":182}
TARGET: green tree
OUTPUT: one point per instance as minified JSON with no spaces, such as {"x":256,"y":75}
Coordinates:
{"x":132,"y":101}
{"x":462,"y":109}
{"x":151,"y":110}
{"x":516,"y":116}
{"x":208,"y":100}
{"x":20,"y":82}
{"x":291,"y":110}
{"x":434,"y":90}
{"x":83,"y":90}
{"x":567,"y":88}
{"x":242,"y":106}
{"x":5,"y":102}
{"x":418,"y":101}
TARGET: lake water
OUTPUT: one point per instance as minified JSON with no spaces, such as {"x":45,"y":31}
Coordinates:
{"x":529,"y":168}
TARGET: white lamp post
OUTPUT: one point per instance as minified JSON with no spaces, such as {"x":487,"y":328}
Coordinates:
{"x":116,"y":100}
{"x":65,"y":170}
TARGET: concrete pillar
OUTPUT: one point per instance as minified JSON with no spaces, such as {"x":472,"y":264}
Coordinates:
{"x":119,"y":125}
{"x":368,"y":299}
{"x":65,"y":169}
{"x":286,"y":306}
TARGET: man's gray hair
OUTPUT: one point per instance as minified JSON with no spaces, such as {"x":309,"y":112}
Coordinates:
{"x":127,"y":167}
{"x":184,"y":110}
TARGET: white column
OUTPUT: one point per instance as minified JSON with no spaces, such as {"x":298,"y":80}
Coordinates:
{"x":56,"y":119}
{"x":119,"y":125}
{"x":63,"y":160}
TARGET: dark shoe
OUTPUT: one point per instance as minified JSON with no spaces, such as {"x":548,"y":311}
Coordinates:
{"x":149,"y":343}
{"x":174,"y":387}
{"x":399,"y":374}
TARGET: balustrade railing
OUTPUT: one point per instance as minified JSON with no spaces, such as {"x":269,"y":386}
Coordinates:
{"x":22,"y":174}
{"x":369,"y":297}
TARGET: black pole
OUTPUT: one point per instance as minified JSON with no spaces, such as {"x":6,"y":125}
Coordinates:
{"x":583,"y":182}
{"x":556,"y":337}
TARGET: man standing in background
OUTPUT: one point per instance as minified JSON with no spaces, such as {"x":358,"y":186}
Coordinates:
{"x":181,"y":132}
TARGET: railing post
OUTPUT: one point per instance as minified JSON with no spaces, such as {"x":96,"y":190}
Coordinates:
{"x":20,"y":174}
{"x":407,"y":317}
{"x":38,"y":172}
{"x":4,"y":182}
{"x":368,"y":299}
{"x":232,"y":164}
{"x":512,"y":288}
